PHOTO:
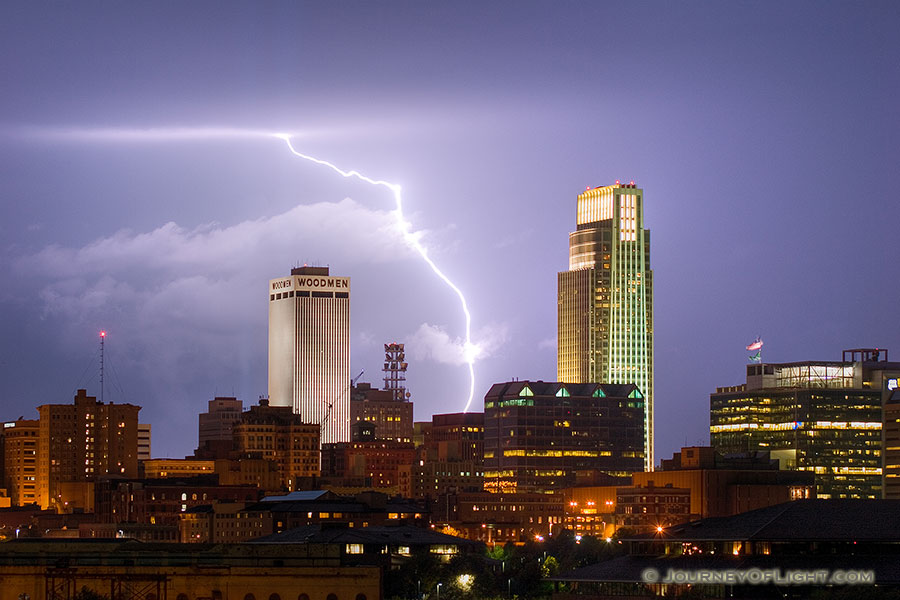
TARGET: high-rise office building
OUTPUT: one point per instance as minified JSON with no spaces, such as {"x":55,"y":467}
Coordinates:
{"x":822,"y":416}
{"x":309,"y":349}
{"x":540,"y":436}
{"x":605,"y":312}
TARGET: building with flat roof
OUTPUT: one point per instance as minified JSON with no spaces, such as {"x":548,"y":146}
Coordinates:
{"x":278,"y":434}
{"x":723,"y":485}
{"x":215,"y":424}
{"x":392,"y":417}
{"x":80,"y":443}
{"x":450,"y":458}
{"x":499,"y":518}
{"x":309,"y":348}
{"x":605,"y":298}
{"x":20,"y":461}
{"x":824,"y":417}
{"x":539,"y":436}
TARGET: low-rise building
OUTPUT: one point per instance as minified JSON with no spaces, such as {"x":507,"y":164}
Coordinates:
{"x":162,"y":501}
{"x":376,"y":464}
{"x":803,"y":548}
{"x":728,"y":485}
{"x":232,"y":523}
{"x":499,"y":518}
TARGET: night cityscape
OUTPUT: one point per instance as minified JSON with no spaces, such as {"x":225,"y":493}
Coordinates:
{"x":364,"y":301}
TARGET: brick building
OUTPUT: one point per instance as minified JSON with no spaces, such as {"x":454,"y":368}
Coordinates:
{"x":81,"y":442}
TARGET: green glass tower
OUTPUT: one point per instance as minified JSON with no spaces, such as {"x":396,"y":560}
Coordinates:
{"x":605,"y":312}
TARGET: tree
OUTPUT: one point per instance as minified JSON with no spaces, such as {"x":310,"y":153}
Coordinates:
{"x":86,"y":593}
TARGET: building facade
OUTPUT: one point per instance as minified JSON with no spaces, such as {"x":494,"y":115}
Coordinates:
{"x":20,"y":461}
{"x":145,"y":441}
{"x":309,"y":348}
{"x":393,"y":418}
{"x":277,"y":434}
{"x":891,"y":448}
{"x":373,"y":464}
{"x":215,"y":424}
{"x":163,"y":501}
{"x":605,"y":298}
{"x":499,"y":518}
{"x":824,"y":417}
{"x":540,"y":436}
{"x":81,"y":442}
{"x":722,"y":486}
{"x":451,"y":457}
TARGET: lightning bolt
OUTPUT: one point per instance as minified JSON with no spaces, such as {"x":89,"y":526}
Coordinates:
{"x":470,"y":350}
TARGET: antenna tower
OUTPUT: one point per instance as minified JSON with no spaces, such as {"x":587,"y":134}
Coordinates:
{"x":102,"y":340}
{"x":395,"y":371}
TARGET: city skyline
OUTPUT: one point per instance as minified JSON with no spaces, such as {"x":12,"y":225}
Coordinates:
{"x":143,"y":194}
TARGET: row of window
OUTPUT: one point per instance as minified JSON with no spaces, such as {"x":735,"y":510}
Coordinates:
{"x":304,"y":294}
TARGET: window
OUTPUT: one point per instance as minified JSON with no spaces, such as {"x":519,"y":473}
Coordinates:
{"x":354,"y":549}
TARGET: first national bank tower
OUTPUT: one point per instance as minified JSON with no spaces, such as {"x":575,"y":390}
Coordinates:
{"x":309,"y":348}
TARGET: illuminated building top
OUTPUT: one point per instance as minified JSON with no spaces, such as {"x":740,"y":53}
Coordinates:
{"x":605,"y":299}
{"x":309,"y":348}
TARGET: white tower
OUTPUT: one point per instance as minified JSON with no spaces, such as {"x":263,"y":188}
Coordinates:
{"x":309,"y":348}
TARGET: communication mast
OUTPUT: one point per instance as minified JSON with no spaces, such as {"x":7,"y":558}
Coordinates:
{"x":102,"y":339}
{"x":395,"y":371}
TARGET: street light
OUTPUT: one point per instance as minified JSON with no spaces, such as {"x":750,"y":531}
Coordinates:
{"x":439,"y":591}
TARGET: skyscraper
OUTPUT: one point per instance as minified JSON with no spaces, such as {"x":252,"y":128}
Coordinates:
{"x":309,"y":349}
{"x":605,"y":311}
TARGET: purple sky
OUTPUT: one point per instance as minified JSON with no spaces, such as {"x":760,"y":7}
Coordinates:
{"x":141,"y":195}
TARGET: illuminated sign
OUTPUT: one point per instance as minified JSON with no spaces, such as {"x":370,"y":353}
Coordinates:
{"x":278,"y":285}
{"x":324,"y":282}
{"x":891,"y":384}
{"x":8,"y":425}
